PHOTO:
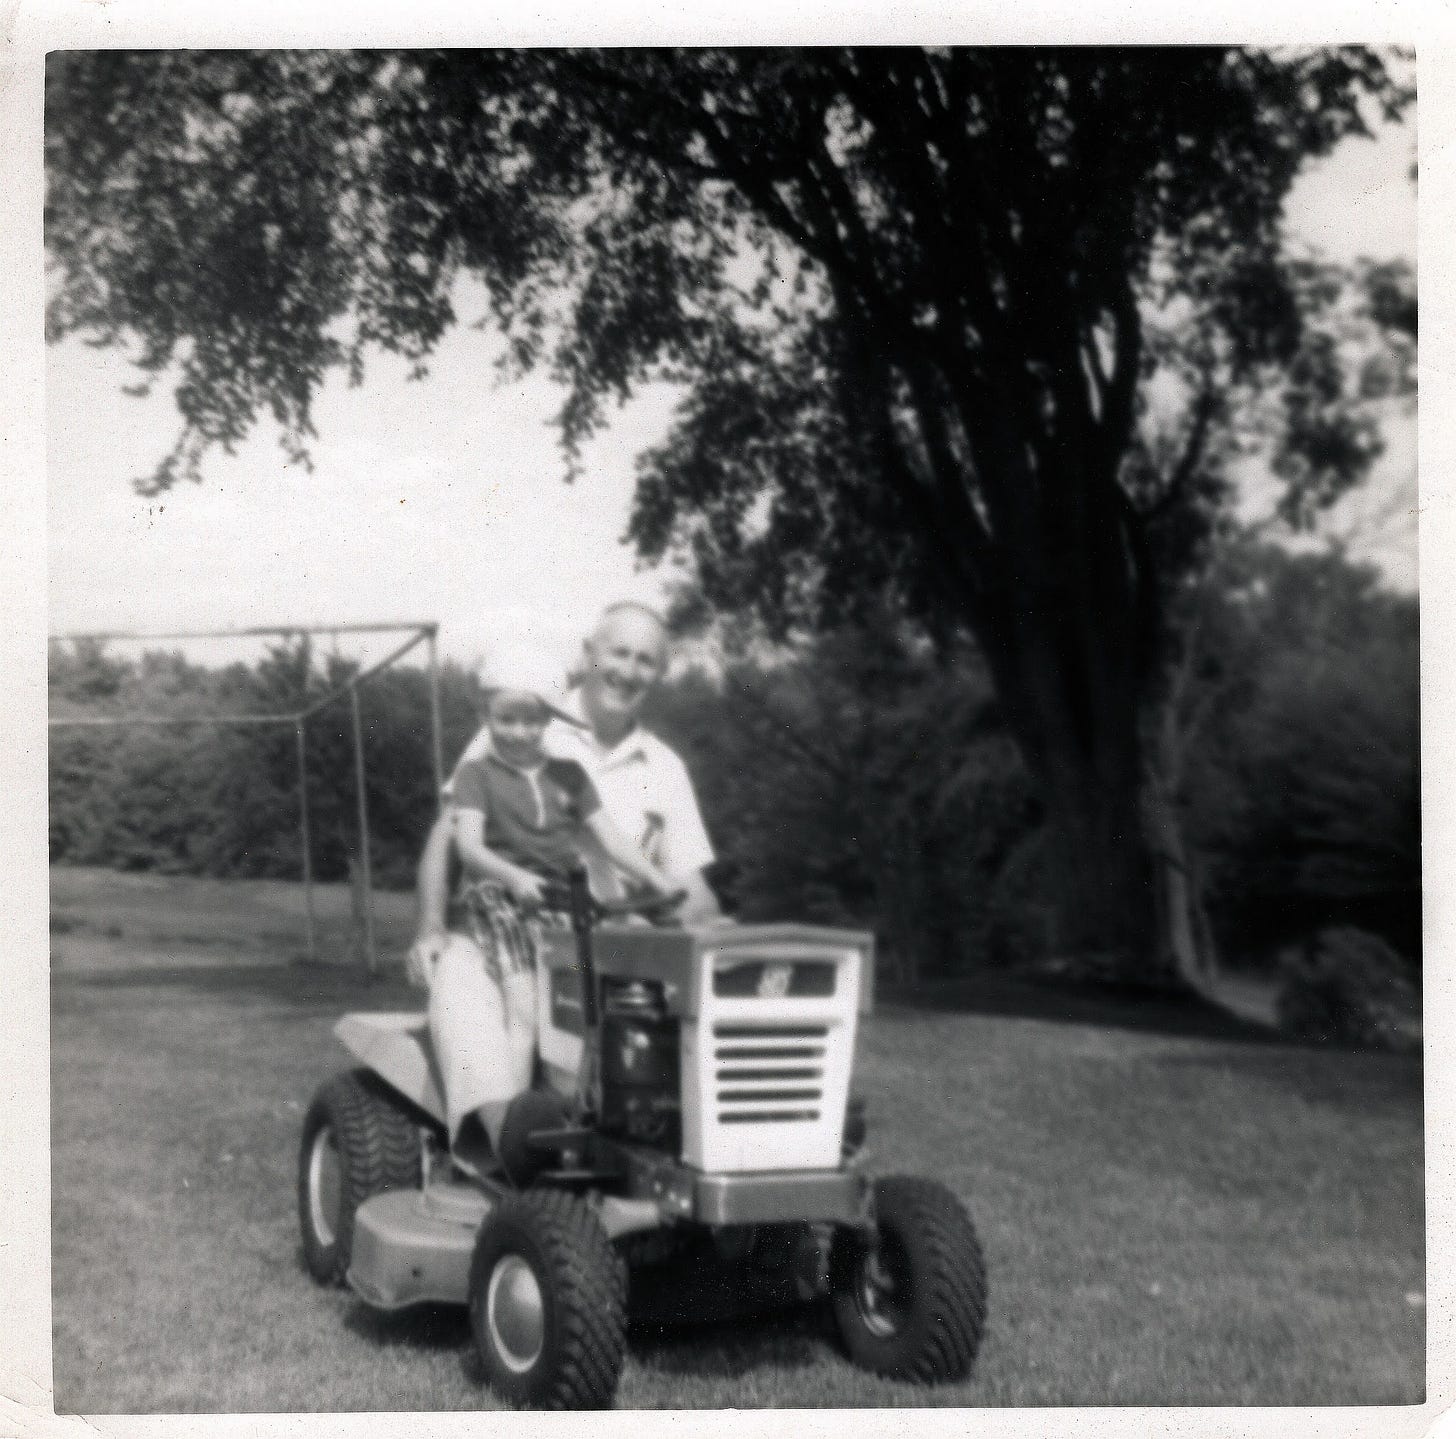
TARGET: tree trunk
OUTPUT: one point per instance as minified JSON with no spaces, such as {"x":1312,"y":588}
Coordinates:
{"x":1187,"y":941}
{"x":1184,"y":949}
{"x":1067,"y":671}
{"x":1106,"y":921}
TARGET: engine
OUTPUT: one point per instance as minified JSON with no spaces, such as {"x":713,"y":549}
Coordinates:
{"x":641,"y":1065}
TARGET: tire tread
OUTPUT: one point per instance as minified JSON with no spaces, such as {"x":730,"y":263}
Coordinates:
{"x":940,"y":1341}
{"x":589,"y":1297}
{"x":379,"y":1150}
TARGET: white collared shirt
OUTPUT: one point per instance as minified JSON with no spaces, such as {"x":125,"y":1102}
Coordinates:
{"x":645,"y":791}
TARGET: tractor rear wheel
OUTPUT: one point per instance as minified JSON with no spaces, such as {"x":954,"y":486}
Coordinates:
{"x":913,"y":1305}
{"x":359,"y":1139}
{"x":548,"y":1302}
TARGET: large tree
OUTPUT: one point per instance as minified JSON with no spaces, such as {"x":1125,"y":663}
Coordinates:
{"x":907,"y":295}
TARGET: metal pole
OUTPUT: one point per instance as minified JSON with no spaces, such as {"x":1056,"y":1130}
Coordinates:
{"x":369,"y":962}
{"x":436,"y":755}
{"x":305,"y":839}
{"x":252,"y":632}
{"x":75,"y":721}
{"x":339,"y":691}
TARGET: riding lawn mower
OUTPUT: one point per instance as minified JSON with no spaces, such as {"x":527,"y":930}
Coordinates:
{"x":693,"y":1096}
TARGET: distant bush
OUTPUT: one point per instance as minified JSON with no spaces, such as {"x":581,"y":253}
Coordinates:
{"x":1348,"y":986}
{"x":857,"y":779}
{"x":863,"y":782}
{"x":1020,"y":918}
{"x":860,"y":781}
{"x":1303,"y":789}
{"x":223,"y":802}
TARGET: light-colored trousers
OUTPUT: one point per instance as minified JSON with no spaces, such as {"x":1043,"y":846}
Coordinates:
{"x":483,"y":1027}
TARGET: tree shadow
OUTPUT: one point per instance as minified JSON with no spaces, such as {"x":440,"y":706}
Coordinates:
{"x":1176,"y":1013}
{"x":315,"y":988}
{"x":1335,"y":1076}
{"x":1180,"y":1014}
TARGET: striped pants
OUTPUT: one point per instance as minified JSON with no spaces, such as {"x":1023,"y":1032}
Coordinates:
{"x":483,"y":1002}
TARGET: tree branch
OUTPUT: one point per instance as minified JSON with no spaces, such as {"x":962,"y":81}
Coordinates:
{"x":792,"y":741}
{"x":1121,"y":390}
{"x":1204,"y":409}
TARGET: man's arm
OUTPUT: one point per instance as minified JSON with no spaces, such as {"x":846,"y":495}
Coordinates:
{"x":701,"y":906}
{"x":621,"y":851}
{"x":687,"y":851}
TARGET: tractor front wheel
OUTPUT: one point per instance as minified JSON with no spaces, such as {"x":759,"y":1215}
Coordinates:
{"x":912,"y":1305}
{"x":359,"y":1140}
{"x":548,"y":1303}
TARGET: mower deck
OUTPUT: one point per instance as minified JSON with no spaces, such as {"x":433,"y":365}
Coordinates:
{"x":414,"y":1246}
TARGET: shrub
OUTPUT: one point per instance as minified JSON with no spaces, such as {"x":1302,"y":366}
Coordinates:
{"x":1021,"y":922}
{"x":1346,"y":985}
{"x":1303,"y":768}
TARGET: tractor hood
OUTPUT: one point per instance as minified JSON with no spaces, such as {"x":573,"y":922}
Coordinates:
{"x":788,"y":962}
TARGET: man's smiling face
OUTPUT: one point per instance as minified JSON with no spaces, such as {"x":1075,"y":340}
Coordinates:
{"x":625,"y":658}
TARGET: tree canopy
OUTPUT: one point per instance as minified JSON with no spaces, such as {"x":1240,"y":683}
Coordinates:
{"x":914,"y":299}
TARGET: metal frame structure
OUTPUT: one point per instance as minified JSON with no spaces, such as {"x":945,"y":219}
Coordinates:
{"x":420,"y":631}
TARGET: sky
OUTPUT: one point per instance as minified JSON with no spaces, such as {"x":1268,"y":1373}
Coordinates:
{"x":443,"y":499}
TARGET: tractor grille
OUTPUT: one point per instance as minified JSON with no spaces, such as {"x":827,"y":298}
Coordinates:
{"x":806,"y":979}
{"x":768,"y":1074}
{"x":766,"y":1058}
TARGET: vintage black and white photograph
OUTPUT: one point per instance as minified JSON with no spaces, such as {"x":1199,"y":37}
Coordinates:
{"x":733,"y":728}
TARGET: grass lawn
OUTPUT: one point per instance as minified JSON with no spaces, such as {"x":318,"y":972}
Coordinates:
{"x":1174,"y":1210}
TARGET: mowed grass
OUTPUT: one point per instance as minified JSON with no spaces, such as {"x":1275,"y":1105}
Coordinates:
{"x":1173,"y":1211}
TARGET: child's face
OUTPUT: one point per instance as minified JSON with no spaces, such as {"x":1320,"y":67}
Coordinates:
{"x":517,"y":721}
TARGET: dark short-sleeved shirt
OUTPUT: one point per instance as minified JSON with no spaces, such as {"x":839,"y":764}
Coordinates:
{"x":533,"y":819}
{"x":645,"y":791}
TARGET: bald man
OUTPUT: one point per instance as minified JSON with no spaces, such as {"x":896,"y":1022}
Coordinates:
{"x":643,"y":785}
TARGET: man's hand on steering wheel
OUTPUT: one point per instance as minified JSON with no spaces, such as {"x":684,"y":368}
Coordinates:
{"x":656,"y":906}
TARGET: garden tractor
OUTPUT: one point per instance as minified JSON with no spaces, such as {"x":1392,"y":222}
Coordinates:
{"x":692,"y":1103}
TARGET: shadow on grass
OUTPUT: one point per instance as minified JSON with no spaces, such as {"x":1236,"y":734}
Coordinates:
{"x":1060,"y":1001}
{"x":1372,"y":1081}
{"x":728,"y":1341}
{"x":729,"y":1348}
{"x":321,"y":986}
{"x":426,"y":1327}
{"x":718,"y":1349}
{"x":314,"y":988}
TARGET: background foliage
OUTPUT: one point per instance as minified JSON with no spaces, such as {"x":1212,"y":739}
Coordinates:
{"x":224,"y":802}
{"x":859,"y":777}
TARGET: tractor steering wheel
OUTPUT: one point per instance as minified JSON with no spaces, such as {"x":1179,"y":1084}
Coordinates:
{"x":659,"y":908}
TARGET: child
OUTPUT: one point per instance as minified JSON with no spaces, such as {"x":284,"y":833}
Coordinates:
{"x":517,"y":818}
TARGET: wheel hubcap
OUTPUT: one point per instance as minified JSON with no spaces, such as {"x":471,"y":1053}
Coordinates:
{"x":515,"y":1313}
{"x":325,"y":1185}
{"x":882,"y":1293}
